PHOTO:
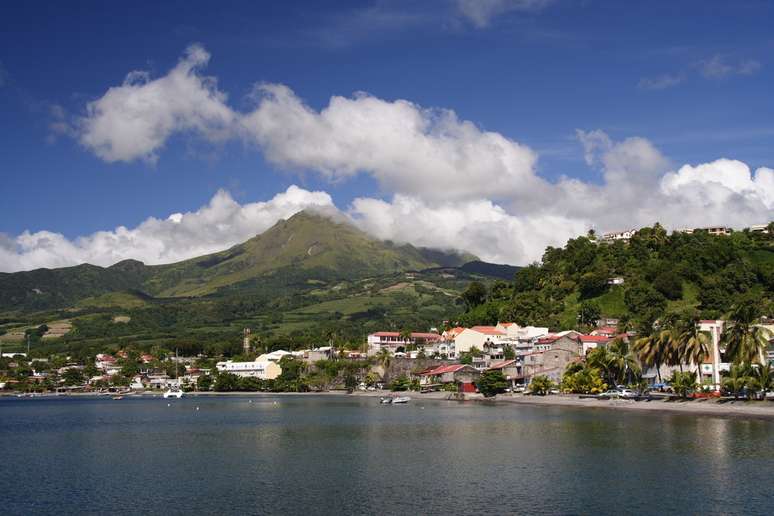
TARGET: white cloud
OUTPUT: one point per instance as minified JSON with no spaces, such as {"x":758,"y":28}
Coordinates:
{"x":134,"y":120}
{"x":481,"y":12}
{"x":406,"y":148}
{"x":223,"y":222}
{"x":662,"y":82}
{"x":452,"y":184}
{"x":479,"y":226}
{"x":719,"y":66}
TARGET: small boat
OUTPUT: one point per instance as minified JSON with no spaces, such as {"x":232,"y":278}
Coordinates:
{"x":118,"y":397}
{"x":173,"y":393}
{"x":401,"y":399}
{"x":176,"y":391}
{"x":385,"y":401}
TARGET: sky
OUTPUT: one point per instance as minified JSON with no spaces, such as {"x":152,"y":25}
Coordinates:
{"x":164,"y":131}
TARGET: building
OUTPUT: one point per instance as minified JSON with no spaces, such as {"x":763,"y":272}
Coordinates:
{"x":623,"y":236}
{"x":478,"y":337}
{"x":103,"y":362}
{"x":550,"y":362}
{"x":589,"y":342}
{"x":615,"y":280}
{"x":712,"y":230}
{"x":462,"y":375}
{"x":262,"y":369}
{"x":394,"y":342}
{"x":512,"y":371}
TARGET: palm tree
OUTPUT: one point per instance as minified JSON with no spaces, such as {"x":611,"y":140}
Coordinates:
{"x":602,"y":359}
{"x":623,"y":361}
{"x":694,"y":344}
{"x":384,"y":357}
{"x":657,"y":349}
{"x":743,"y":339}
{"x":763,"y":379}
{"x":737,"y":379}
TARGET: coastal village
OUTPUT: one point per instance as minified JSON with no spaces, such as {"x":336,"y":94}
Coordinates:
{"x":453,"y":360}
{"x":681,"y":355}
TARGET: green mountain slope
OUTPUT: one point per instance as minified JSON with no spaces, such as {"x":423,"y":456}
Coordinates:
{"x":292,"y":255}
{"x":310,"y":246}
{"x":657,"y":274}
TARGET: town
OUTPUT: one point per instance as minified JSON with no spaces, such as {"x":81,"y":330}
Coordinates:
{"x":489,"y":360}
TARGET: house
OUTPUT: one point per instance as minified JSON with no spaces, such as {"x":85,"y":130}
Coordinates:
{"x":478,"y":337}
{"x":615,"y":280}
{"x":394,"y":342}
{"x":589,"y":342}
{"x":258,"y":368}
{"x":606,"y":331}
{"x":104,"y":361}
{"x":549,"y":362}
{"x":512,"y":370}
{"x":623,"y":236}
{"x":462,"y":375}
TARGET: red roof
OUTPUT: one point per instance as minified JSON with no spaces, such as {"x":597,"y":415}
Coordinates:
{"x":415,"y":335}
{"x":444,"y":369}
{"x":487,"y":330}
{"x":506,"y":324}
{"x":548,"y":340}
{"x":594,"y":338}
{"x":607,"y":329}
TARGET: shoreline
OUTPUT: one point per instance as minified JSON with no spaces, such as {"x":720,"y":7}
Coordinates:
{"x":704,"y":407}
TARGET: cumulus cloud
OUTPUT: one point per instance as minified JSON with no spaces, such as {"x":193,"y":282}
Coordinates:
{"x":221,"y":223}
{"x":134,"y":120}
{"x":481,"y":12}
{"x":449,"y":183}
{"x":406,"y":148}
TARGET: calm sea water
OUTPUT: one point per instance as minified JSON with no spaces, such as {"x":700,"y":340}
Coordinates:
{"x":346,"y":455}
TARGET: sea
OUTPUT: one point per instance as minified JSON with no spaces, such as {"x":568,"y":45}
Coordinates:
{"x":346,"y":455}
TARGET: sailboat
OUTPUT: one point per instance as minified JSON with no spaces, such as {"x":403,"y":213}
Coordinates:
{"x":176,"y":391}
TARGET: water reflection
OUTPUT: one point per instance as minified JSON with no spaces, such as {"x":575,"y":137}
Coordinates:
{"x":351,"y":456}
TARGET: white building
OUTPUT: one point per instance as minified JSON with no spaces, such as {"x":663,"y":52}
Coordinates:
{"x":392,"y":341}
{"x":263,"y":369}
{"x":624,"y":236}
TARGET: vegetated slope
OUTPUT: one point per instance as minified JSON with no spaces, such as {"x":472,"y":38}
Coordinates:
{"x":293,"y":254}
{"x":305,"y":247}
{"x":661,"y":273}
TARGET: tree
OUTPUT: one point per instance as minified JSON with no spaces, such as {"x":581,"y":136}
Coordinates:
{"x":623,"y":362}
{"x":762,"y":379}
{"x":737,"y":379}
{"x":589,"y":313}
{"x":384,"y":358}
{"x":491,"y":383}
{"x":694,"y":344}
{"x":743,"y":339}
{"x":683,"y":383}
{"x":474,"y":295}
{"x":669,"y":284}
{"x":582,"y":379}
{"x":508,"y":352}
{"x":73,"y":376}
{"x":204,"y":383}
{"x":541,"y":385}
{"x":401,"y":383}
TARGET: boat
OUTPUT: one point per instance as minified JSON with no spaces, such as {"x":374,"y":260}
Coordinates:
{"x":118,"y":397}
{"x":173,"y":393}
{"x":385,"y":401}
{"x":401,"y":399}
{"x":176,"y":391}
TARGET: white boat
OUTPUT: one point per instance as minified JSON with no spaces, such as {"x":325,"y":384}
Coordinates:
{"x":401,"y":399}
{"x":176,"y":391}
{"x":173,"y":393}
{"x":385,"y":401}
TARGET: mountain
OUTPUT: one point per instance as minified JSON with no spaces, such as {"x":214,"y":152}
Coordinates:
{"x":306,"y":249}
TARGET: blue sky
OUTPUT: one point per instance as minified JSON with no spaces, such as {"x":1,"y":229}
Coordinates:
{"x":694,"y":79}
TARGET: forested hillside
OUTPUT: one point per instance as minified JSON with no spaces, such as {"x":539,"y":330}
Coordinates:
{"x":660,"y":273}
